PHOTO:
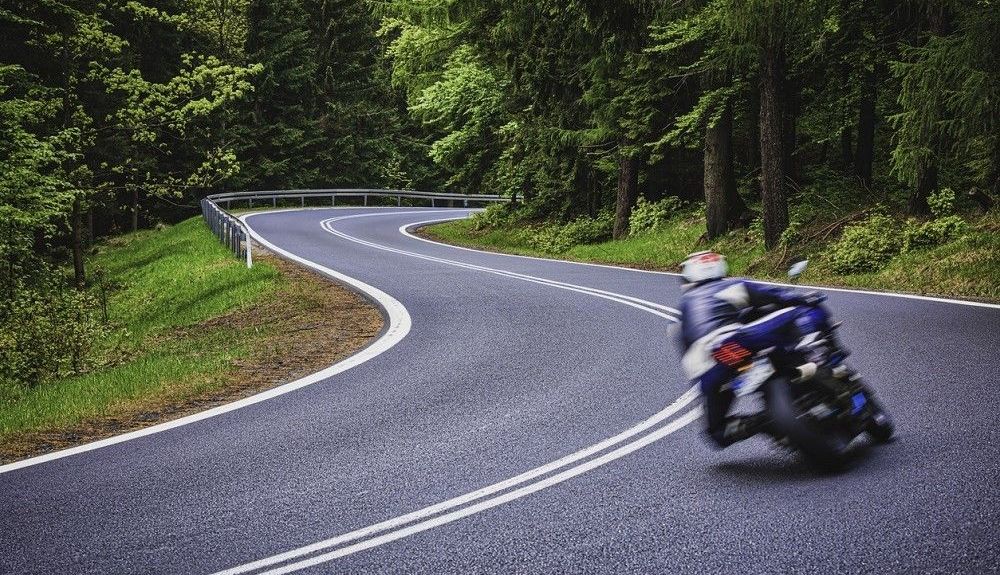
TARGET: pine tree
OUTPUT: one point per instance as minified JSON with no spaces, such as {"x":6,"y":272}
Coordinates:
{"x":773,"y":28}
{"x":356,"y":109}
{"x":948,"y":122}
{"x":282,"y":129}
{"x":693,"y":43}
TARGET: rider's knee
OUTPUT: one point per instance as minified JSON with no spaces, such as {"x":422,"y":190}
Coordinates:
{"x":811,"y":319}
{"x":711,"y":382}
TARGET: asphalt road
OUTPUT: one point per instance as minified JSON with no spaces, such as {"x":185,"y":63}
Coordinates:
{"x":479,"y":443}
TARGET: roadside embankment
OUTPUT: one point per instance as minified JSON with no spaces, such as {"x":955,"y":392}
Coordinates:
{"x":964,"y":266}
{"x":187,"y":327}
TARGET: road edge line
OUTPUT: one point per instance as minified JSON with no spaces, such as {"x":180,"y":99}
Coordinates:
{"x":399,"y":523}
{"x":491,"y":491}
{"x":398,"y":326}
{"x":936,"y":299}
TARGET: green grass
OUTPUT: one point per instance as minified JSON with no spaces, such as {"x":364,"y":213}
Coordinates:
{"x":176,"y":277}
{"x":173,"y":372}
{"x":967,"y":267}
{"x":167,"y":281}
{"x":657,"y":250}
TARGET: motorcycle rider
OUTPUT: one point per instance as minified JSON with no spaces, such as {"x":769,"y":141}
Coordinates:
{"x":717,"y":344}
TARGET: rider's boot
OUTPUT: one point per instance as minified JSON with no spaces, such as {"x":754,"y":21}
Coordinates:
{"x":740,"y":428}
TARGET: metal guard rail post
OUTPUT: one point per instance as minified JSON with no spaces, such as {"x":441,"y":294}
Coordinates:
{"x":229,"y":229}
{"x":233,"y":233}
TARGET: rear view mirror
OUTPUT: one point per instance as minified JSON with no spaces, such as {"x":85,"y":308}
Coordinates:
{"x":797,"y":269}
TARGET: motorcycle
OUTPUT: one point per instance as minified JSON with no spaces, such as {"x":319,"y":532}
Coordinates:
{"x":817,"y":404}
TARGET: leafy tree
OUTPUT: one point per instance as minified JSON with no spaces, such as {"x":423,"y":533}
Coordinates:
{"x":97,"y":101}
{"x":33,"y":195}
{"x":465,"y":105}
{"x":218,"y":27}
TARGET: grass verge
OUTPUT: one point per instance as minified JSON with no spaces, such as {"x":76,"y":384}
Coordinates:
{"x":190,"y":327}
{"x":966,"y":267}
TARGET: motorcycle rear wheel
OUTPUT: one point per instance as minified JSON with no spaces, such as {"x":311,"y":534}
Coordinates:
{"x":821,"y":448}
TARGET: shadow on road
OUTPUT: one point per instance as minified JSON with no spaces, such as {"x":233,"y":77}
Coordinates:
{"x":769,"y":469}
{"x":774,"y":467}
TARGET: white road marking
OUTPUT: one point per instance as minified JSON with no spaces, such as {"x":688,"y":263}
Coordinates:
{"x":406,"y":230}
{"x":668,"y":313}
{"x":526,"y":477}
{"x":570,"y":473}
{"x":397,"y":528}
{"x":399,"y":325}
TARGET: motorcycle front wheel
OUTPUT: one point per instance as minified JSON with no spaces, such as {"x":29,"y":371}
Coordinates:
{"x":821,"y":448}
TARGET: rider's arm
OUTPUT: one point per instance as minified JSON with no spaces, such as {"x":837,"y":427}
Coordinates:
{"x":761,"y":295}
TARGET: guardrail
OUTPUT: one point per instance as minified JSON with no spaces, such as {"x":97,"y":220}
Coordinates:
{"x":229,"y":229}
{"x":234,"y":234}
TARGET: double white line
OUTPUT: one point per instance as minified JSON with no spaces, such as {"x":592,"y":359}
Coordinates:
{"x":531,"y":481}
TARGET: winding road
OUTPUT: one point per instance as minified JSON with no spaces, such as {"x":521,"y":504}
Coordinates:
{"x":525,"y":416}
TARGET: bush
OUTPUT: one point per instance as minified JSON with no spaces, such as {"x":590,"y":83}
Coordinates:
{"x":944,"y":227}
{"x":866,"y":246}
{"x":588,"y":230}
{"x":932,"y":233}
{"x":650,"y":216}
{"x":792,"y":234}
{"x":869,"y":245}
{"x":549,"y":239}
{"x":46,"y":333}
{"x":942,"y":203}
{"x":496,"y":215}
{"x":556,"y":239}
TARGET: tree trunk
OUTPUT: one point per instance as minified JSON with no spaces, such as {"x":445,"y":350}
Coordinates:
{"x":790,"y":112}
{"x":846,"y":153}
{"x":871,"y":71}
{"x":938,"y":24}
{"x":723,"y":205}
{"x":76,"y":215}
{"x":76,"y":224}
{"x":938,"y":18}
{"x":772,"y":143}
{"x":865,"y":155}
{"x":846,"y":135}
{"x":223,"y":9}
{"x":628,"y":191}
{"x":927,"y":181}
{"x":135,"y":209}
{"x":753,"y":136}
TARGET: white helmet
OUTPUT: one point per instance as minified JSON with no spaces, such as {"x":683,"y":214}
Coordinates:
{"x":701,"y":266}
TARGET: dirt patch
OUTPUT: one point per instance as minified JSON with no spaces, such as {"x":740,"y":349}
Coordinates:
{"x":309,"y":324}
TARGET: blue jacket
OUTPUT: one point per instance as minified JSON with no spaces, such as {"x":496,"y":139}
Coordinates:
{"x":709,"y":305}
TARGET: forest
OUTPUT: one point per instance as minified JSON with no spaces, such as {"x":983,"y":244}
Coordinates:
{"x":850,"y":116}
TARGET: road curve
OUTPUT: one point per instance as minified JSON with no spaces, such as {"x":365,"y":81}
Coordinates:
{"x":532,"y":421}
